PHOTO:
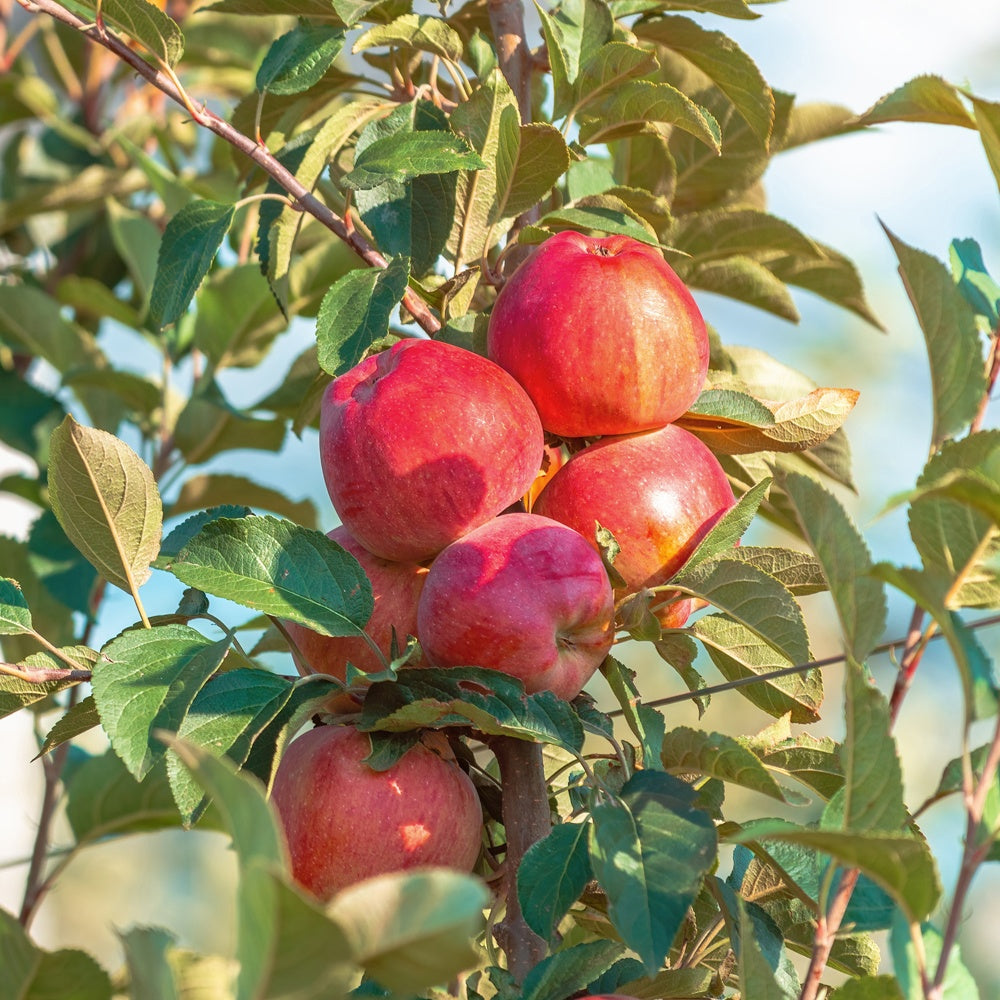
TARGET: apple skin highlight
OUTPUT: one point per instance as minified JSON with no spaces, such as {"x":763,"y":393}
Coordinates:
{"x":422,"y":443}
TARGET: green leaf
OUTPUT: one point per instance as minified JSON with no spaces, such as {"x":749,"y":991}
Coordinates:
{"x":987,"y":115}
{"x":27,"y":416}
{"x":281,"y":569}
{"x":412,"y":930}
{"x":16,"y":693}
{"x":356,"y":312}
{"x":814,"y":762}
{"x":402,"y":156}
{"x":975,"y":667}
{"x":953,"y":517}
{"x":31,"y":321}
{"x":489,"y":122}
{"x":147,"y":679}
{"x":147,"y":957}
{"x":800,"y":572}
{"x":612,"y":219}
{"x":973,"y":280}
{"x":873,"y":780}
{"x":650,"y":850}
{"x":184,"y":532}
{"x":723,"y":62}
{"x":411,"y":219}
{"x":491,"y":701}
{"x":680,"y":651}
{"x":278,"y":233}
{"x":958,"y":983}
{"x":107,"y":502}
{"x":138,"y":395}
{"x":142,"y":21}
{"x":949,"y":327}
{"x":190,"y":242}
{"x":753,"y":599}
{"x":831,"y":275}
{"x":527,"y":175}
{"x":209,"y":425}
{"x":759,"y":970}
{"x":732,"y":422}
{"x":551,"y":876}
{"x":574,"y":32}
{"x":571,"y":968}
{"x":671,"y":983}
{"x":870,"y":988}
{"x":61,"y":569}
{"x":610,"y":66}
{"x":33,"y":974}
{"x":729,"y":529}
{"x":902,"y":865}
{"x":81,"y":718}
{"x":738,"y":652}
{"x":298,"y":59}
{"x":315,"y":10}
{"x":236,"y":318}
{"x":14,"y":614}
{"x":137,"y":240}
{"x":859,"y":598}
{"x":715,"y":755}
{"x":741,"y":278}
{"x":285,"y":944}
{"x":104,"y":800}
{"x":724,"y":232}
{"x":923,"y":99}
{"x":248,"y":715}
{"x":815,"y":120}
{"x":414,"y":31}
{"x":645,"y":722}
{"x":641,"y":106}
{"x":209,"y":490}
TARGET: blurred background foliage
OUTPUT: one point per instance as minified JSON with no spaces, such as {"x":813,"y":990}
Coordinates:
{"x":928,"y":183}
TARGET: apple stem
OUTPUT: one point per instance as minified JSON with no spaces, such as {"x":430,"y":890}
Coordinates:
{"x":527,"y":819}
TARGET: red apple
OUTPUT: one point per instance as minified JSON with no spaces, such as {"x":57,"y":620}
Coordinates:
{"x":603,"y":335}
{"x":422,"y":443}
{"x":396,"y":589}
{"x":658,"y":493}
{"x":345,"y":822}
{"x":521,"y":594}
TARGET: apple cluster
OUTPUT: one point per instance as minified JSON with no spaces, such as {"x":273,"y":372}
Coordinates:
{"x":473,"y":490}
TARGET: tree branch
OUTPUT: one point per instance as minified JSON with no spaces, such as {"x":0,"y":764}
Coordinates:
{"x":526,"y":819}
{"x":168,"y":84}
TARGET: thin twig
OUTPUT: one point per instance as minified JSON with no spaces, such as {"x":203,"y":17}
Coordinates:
{"x":35,"y":884}
{"x":800,"y":668}
{"x":166,"y":82}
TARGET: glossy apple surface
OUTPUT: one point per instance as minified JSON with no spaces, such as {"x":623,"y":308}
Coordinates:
{"x":521,"y":594}
{"x":658,"y":493}
{"x":344,"y":822}
{"x":396,"y":590}
{"x":422,"y":443}
{"x":603,"y":335}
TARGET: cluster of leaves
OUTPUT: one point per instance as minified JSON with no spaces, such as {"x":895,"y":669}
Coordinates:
{"x":643,"y":122}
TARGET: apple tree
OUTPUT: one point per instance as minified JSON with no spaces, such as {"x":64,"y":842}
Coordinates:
{"x":184,"y":184}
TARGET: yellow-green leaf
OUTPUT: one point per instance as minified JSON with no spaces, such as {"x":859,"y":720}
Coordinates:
{"x":107,"y":502}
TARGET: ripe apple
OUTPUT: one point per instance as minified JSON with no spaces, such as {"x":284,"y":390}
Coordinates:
{"x":603,"y":335}
{"x":396,"y":589}
{"x":658,"y":493}
{"x":521,"y":594}
{"x":345,"y":822}
{"x":422,"y":443}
